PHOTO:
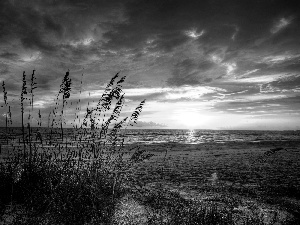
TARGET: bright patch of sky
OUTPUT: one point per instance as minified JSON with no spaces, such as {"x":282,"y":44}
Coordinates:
{"x":194,"y":34}
{"x":31,"y":57}
{"x":84,"y":42}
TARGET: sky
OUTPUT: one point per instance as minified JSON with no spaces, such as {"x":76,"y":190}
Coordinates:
{"x":209,"y":64}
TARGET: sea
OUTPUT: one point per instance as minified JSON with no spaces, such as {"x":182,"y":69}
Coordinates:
{"x":180,"y":136}
{"x":154,"y":136}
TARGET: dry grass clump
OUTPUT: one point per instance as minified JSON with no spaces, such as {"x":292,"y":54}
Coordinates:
{"x":74,"y":181}
{"x":54,"y":194}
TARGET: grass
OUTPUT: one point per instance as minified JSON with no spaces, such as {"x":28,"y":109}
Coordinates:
{"x":164,"y":207}
{"x":63,"y":184}
{"x":80,"y":177}
{"x":55,"y":194}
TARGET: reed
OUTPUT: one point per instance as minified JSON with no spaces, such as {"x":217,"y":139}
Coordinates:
{"x":65,"y":89}
{"x":22,"y":99}
{"x":7,"y":112}
{"x":5,"y":105}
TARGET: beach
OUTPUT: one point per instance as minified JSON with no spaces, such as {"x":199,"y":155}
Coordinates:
{"x":258,"y":169}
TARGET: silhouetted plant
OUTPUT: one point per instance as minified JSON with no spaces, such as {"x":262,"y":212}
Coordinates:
{"x":5,"y":105}
{"x":23,"y":92}
{"x":136,"y":113}
{"x":32,"y":87}
{"x":9,"y":116}
{"x":49,"y":118}
{"x":65,"y":89}
{"x":4,"y":93}
{"x":40,"y":118}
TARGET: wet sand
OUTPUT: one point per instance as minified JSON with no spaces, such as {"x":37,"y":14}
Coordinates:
{"x":246,"y":169}
{"x":239,"y":163}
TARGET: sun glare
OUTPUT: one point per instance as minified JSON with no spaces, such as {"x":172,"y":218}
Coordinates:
{"x":190,"y":119}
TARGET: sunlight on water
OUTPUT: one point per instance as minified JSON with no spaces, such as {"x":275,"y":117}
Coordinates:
{"x":191,"y":137}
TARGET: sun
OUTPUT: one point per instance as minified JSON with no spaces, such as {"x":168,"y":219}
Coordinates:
{"x":190,"y":119}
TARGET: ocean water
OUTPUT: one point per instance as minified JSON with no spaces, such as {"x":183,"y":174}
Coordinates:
{"x":155,"y":136}
{"x":152,"y":136}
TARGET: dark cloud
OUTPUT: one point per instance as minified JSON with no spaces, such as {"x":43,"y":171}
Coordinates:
{"x":184,"y":73}
{"x":12,"y":87}
{"x":44,"y":83}
{"x":288,"y":66}
{"x":26,"y":23}
{"x":166,"y":21}
{"x":286,"y":82}
{"x":167,"y":42}
{"x":4,"y":69}
{"x":35,"y":41}
{"x":205,"y":65}
{"x":10,"y":56}
{"x":52,"y":25}
{"x":130,"y":24}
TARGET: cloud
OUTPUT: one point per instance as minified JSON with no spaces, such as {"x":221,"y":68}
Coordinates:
{"x":149,"y":124}
{"x":283,"y":83}
{"x":184,"y":73}
{"x":281,"y":24}
{"x":194,"y":34}
{"x":275,"y":59}
{"x":205,"y":65}
{"x":236,"y":30}
{"x":230,"y":68}
{"x":4,"y":69}
{"x":52,"y":25}
{"x":146,"y":17}
{"x":28,"y":24}
{"x":260,"y":105}
{"x":182,"y":93}
{"x":35,"y":41}
{"x":10,"y":56}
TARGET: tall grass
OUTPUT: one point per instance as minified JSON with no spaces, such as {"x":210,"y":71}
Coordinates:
{"x":65,"y":89}
{"x":74,"y":184}
{"x":22,"y":99}
{"x":7,"y":112}
{"x":5,"y":105}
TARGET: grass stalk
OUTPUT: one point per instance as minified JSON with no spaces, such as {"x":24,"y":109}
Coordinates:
{"x":65,"y":89}
{"x":23,"y":92}
{"x":5,"y":109}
